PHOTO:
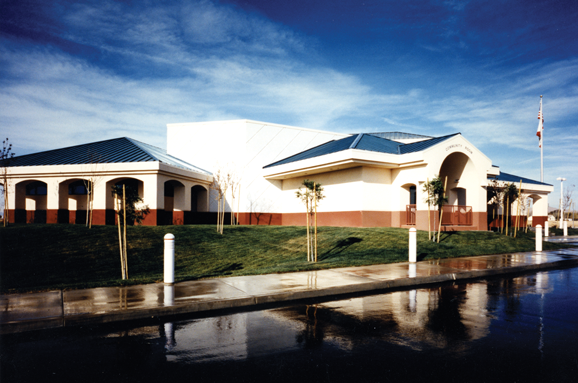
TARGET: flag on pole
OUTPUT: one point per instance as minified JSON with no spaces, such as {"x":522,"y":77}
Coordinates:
{"x":540,"y":124}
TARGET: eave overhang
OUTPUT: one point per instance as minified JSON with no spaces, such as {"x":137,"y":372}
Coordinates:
{"x":345,"y":159}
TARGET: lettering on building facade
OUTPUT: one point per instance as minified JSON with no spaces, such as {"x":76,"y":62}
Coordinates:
{"x":456,"y":146}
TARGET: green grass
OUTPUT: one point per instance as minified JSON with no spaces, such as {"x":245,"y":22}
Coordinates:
{"x":45,"y":257}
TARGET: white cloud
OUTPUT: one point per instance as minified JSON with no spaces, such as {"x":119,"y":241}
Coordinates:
{"x":205,"y":61}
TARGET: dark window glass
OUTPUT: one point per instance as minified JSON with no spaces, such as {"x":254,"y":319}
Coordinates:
{"x":77,"y":188}
{"x":169,"y":190}
{"x":412,"y":194}
{"x":36,"y":188}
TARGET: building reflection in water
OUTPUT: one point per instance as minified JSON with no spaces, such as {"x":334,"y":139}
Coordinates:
{"x":448,"y":316}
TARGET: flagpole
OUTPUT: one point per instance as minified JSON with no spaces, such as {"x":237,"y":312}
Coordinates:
{"x":541,"y":129}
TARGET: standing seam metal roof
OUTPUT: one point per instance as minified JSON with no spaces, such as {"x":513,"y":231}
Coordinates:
{"x":362,"y":141}
{"x":117,"y":150}
{"x":506,"y":177}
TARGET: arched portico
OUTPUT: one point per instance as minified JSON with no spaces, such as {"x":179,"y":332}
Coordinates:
{"x":199,"y":205}
{"x":174,"y":203}
{"x":31,"y":198}
{"x":73,"y":203}
{"x":408,"y":203}
{"x":129,"y":183}
{"x":459,"y":175}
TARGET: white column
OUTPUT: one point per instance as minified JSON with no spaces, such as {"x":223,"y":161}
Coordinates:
{"x":413,"y":245}
{"x":538,"y":237}
{"x":169,"y":269}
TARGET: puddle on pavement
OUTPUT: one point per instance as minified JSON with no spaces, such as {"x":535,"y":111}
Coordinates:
{"x":512,"y":329}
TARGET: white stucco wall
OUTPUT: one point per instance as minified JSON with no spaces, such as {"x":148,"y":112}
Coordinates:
{"x":246,"y":146}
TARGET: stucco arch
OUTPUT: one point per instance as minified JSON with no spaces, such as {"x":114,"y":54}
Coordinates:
{"x":461,"y":176}
{"x":467,"y":205}
{"x":199,"y":199}
{"x":408,"y":203}
{"x":129,"y":182}
{"x":31,"y":198}
{"x":174,"y":203}
{"x":72,"y":200}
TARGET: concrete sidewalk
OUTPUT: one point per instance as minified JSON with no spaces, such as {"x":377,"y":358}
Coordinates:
{"x":31,"y":311}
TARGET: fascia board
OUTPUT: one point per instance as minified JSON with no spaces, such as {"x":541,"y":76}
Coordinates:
{"x":183,"y":173}
{"x":527,"y":187}
{"x":494,"y":171}
{"x":113,"y":169}
{"x":341,"y":160}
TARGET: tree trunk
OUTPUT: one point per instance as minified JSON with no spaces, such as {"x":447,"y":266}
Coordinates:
{"x":442,"y":209}
{"x":507,"y":212}
{"x":117,"y":210}
{"x":315,"y":201}
{"x":308,"y":239}
{"x":124,"y":222}
{"x":428,"y":213}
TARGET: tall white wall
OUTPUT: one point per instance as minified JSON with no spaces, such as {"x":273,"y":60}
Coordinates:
{"x":247,"y":146}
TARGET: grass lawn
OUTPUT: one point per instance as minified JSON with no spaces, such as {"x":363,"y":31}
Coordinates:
{"x":44,"y":257}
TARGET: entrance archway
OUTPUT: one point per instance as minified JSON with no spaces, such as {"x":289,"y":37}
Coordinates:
{"x":459,"y":171}
{"x":31,"y":202}
{"x":129,"y":183}
{"x":199,"y":205}
{"x":174,"y":194}
{"x":408,"y":199}
{"x":72,"y":201}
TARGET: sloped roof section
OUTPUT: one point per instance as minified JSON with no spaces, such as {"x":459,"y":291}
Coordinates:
{"x":332,"y":146}
{"x":506,"y":177}
{"x":117,"y":150}
{"x":394,"y":136}
{"x":423,"y":145}
{"x":362,"y":141}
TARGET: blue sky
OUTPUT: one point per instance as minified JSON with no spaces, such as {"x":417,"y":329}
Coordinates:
{"x":73,"y":72}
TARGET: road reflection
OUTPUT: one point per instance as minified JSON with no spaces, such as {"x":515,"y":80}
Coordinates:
{"x":509,"y":329}
{"x":448,"y":316}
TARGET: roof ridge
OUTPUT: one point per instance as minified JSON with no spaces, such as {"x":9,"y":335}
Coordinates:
{"x":356,"y":141}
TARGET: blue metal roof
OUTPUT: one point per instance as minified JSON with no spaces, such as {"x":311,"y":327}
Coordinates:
{"x":362,"y":141}
{"x":332,"y":146}
{"x":399,"y":136}
{"x":506,"y":177}
{"x":117,"y":150}
{"x":423,"y":145}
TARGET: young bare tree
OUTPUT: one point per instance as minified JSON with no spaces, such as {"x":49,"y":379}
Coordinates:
{"x":130,"y":211}
{"x":495,"y":192}
{"x":218,"y":185}
{"x":310,"y":193}
{"x":567,"y":199}
{"x":5,"y":158}
{"x":91,"y":180}
{"x":225,"y":177}
{"x":234,"y":180}
{"x":511,"y":192}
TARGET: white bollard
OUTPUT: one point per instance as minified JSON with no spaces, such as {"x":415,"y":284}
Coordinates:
{"x":412,"y":270}
{"x":538,"y":237}
{"x":169,"y":259}
{"x":413,"y":300}
{"x":413,"y":245}
{"x":565,"y":228}
{"x":546,"y":227}
{"x":169,"y":295}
